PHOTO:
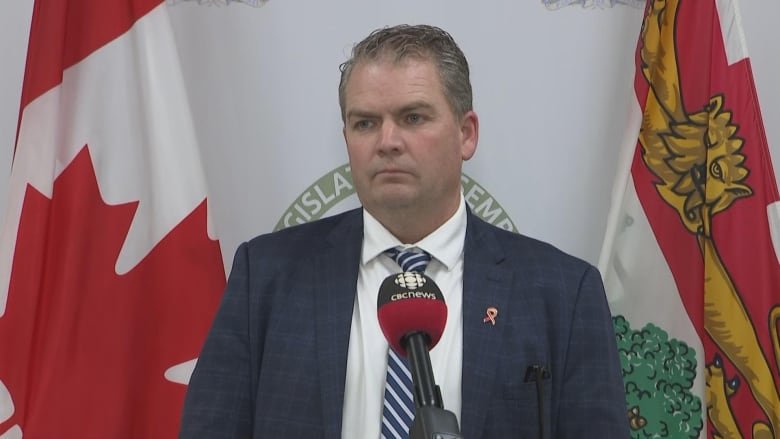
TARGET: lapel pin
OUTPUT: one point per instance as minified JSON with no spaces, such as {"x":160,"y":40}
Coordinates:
{"x":490,"y":315}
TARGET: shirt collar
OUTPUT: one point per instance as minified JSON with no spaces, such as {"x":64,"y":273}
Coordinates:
{"x":445,"y":244}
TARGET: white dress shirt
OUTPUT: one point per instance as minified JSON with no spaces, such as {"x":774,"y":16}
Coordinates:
{"x":367,"y":355}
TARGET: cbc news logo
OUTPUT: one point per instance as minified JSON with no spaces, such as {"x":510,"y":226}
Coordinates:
{"x":410,"y":280}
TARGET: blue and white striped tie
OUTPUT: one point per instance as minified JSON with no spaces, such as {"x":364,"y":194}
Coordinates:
{"x":398,"y":411}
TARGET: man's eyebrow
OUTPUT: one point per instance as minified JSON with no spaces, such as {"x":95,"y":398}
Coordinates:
{"x":410,"y":107}
{"x":358,"y":113}
{"x":417,"y":105}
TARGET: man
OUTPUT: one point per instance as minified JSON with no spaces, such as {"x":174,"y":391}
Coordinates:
{"x":296,"y":349}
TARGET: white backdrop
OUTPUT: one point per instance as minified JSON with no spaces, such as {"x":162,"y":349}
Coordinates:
{"x":551,"y":89}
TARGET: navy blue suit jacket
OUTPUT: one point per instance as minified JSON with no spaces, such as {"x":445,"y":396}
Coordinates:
{"x":274,"y":363}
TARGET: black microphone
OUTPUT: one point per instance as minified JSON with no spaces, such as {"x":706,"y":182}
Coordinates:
{"x":538,"y":373}
{"x":412,"y":315}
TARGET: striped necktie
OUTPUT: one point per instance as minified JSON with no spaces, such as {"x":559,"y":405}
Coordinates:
{"x":398,"y":408}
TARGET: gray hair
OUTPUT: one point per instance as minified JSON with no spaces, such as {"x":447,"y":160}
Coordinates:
{"x":420,"y":42}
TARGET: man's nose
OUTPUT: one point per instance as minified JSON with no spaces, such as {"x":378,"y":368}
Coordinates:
{"x":391,"y":140}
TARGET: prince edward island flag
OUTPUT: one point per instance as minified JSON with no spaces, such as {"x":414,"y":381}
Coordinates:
{"x":690,"y":257}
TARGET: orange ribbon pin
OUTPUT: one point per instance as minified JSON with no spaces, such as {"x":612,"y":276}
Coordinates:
{"x":490,"y":315}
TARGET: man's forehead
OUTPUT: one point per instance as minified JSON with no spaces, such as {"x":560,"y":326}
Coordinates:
{"x":423,"y":69}
{"x":372,"y":79}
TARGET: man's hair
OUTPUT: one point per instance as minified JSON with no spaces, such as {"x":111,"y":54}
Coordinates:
{"x":420,"y":42}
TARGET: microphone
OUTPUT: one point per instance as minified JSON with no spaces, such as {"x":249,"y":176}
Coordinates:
{"x":412,"y":315}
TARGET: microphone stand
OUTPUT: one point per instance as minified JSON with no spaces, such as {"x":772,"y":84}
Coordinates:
{"x":431,"y":421}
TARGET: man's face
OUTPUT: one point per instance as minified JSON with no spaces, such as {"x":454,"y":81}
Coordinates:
{"x":405,"y":145}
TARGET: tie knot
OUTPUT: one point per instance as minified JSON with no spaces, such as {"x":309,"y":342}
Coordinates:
{"x":410,"y":259}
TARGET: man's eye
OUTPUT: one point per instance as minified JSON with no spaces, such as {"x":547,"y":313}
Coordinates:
{"x":362,"y":124}
{"x":414,"y":118}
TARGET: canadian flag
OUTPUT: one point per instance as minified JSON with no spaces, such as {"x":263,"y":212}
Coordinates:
{"x":690,"y":260}
{"x":109,"y":276}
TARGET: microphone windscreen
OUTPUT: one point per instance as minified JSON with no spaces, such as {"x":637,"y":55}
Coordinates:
{"x":410,"y":302}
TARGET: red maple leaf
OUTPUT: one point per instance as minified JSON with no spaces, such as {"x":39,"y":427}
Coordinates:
{"x":83,"y":350}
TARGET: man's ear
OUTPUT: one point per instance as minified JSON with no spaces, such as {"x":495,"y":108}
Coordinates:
{"x":469,"y":135}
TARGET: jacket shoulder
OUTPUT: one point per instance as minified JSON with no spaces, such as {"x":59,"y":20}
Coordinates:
{"x":306,"y":239}
{"x":516,"y":245}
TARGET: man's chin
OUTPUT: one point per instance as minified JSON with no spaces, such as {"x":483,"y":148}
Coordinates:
{"x":394,"y":199}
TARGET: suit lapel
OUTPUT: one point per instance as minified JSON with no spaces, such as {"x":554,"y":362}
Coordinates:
{"x":336,"y":271}
{"x":486,"y":283}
